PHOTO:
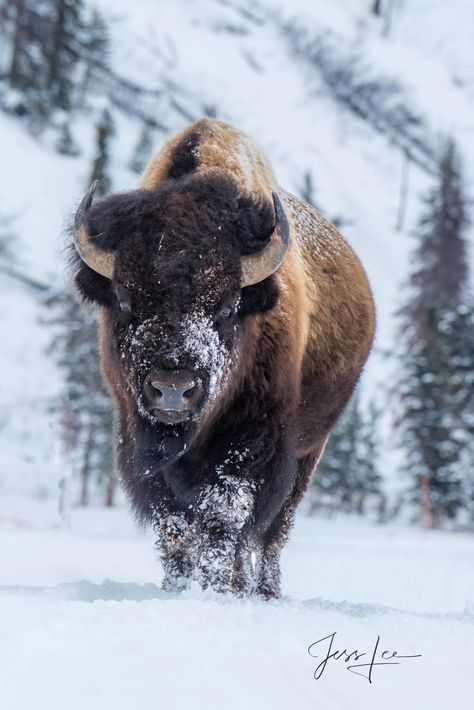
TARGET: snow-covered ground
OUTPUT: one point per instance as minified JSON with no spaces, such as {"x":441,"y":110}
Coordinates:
{"x":231,"y":55}
{"x":84,"y":623}
{"x":69,"y":639}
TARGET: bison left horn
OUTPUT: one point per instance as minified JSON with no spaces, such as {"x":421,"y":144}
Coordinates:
{"x":257,"y":267}
{"x":97,"y":259}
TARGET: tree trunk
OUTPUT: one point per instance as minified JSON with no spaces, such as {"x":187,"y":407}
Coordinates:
{"x":55,"y":79}
{"x":377,"y":8}
{"x":361,"y":503}
{"x":17,"y":41}
{"x":66,"y":447}
{"x":426,"y":513}
{"x":387,"y":16}
{"x":110,"y":491}
{"x":86,"y":467}
{"x":402,"y":203}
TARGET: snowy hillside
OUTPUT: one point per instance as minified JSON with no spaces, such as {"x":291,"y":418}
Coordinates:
{"x":237,"y":60}
{"x":84,"y":621}
{"x":274,"y":70}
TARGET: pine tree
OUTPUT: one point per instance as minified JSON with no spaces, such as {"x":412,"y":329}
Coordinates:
{"x":347,"y":477}
{"x":437,"y":325}
{"x":7,"y":254}
{"x":329,"y":482}
{"x":95,"y":51}
{"x":86,"y":408}
{"x":368,"y":487}
{"x":47,"y":45}
{"x":307,"y":190}
{"x":142,"y":152}
{"x":65,"y":143}
{"x":377,"y":8}
{"x":104,"y":133}
{"x":64,"y":50}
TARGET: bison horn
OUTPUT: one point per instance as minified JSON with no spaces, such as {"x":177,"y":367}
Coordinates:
{"x":97,"y":259}
{"x":257,"y":267}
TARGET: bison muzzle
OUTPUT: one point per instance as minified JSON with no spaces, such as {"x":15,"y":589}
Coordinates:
{"x":234,"y":324}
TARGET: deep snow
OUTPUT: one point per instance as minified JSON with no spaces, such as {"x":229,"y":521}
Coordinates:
{"x":72,"y":638}
{"x":67,"y":638}
{"x":254,"y":81}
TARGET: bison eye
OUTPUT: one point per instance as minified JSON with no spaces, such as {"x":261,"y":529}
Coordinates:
{"x":125,"y":307}
{"x":226,"y":312}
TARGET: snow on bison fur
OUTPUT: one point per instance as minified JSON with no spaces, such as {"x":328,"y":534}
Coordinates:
{"x":234,"y":324}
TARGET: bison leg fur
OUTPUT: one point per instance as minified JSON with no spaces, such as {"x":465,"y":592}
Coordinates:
{"x":225,"y":508}
{"x":243,"y":582}
{"x":176,"y":543}
{"x":268,"y":564}
{"x":268,"y":568}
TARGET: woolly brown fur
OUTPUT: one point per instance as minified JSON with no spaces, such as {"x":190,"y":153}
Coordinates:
{"x":299,"y":340}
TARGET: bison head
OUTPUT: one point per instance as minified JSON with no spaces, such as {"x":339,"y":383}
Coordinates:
{"x":179,"y":272}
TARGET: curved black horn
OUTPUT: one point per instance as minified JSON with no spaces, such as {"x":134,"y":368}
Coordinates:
{"x":257,"y":267}
{"x":97,"y":259}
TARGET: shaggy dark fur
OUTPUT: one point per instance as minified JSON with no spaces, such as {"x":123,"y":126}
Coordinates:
{"x":184,"y":159}
{"x":205,"y":217}
{"x":227,"y":480}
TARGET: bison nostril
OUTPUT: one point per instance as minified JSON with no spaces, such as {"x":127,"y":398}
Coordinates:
{"x":187,"y":394}
{"x":171,"y":391}
{"x":156,"y":389}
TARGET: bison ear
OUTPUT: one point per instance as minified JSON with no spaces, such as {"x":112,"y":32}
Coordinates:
{"x":268,"y":240}
{"x":112,"y":217}
{"x":93,"y":287}
{"x":104,"y":223}
{"x":255,"y":224}
{"x":259,"y":298}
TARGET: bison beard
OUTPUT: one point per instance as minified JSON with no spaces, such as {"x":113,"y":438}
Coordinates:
{"x":211,"y":271}
{"x":210,"y":514}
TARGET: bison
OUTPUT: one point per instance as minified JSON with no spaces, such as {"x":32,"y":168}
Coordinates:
{"x":234,"y":323}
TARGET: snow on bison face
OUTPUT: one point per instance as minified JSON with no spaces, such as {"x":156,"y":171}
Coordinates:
{"x":179,"y":271}
{"x":177,"y":347}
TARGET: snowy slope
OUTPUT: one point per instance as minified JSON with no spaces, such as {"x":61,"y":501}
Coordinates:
{"x":123,"y":643}
{"x":135,"y":646}
{"x":231,"y":56}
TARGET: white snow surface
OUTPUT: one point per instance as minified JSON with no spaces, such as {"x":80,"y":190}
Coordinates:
{"x":85,"y":624}
{"x":255,"y":82}
{"x":71,"y":638}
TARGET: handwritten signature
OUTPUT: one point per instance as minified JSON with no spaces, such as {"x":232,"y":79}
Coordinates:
{"x":364,"y":669}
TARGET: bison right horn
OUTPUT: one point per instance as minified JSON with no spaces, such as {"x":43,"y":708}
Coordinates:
{"x":257,"y":267}
{"x":100,"y":261}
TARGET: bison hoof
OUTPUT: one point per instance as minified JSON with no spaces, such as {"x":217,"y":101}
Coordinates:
{"x":175,"y":584}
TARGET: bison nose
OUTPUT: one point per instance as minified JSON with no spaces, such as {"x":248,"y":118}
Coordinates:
{"x":171,"y":391}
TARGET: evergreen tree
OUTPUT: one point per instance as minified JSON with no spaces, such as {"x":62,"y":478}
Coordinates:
{"x":307,"y":190}
{"x":377,"y":8}
{"x":64,"y":48}
{"x":441,"y":272}
{"x":437,"y":361}
{"x":86,"y":408}
{"x":142,"y":152}
{"x":95,"y":51}
{"x":7,"y":255}
{"x":65,"y":143}
{"x":104,"y":133}
{"x":369,"y":484}
{"x":46,"y":42}
{"x":329,"y":482}
{"x":347,"y":477}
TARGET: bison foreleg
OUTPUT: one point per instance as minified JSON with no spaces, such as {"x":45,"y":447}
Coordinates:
{"x":243,"y":581}
{"x":268,"y":567}
{"x":268,"y":571}
{"x":224,"y":509}
{"x":176,"y":542}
